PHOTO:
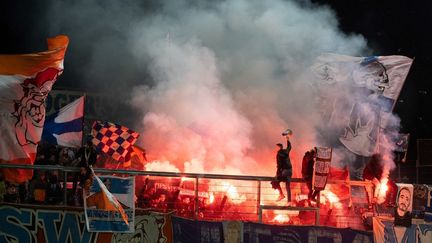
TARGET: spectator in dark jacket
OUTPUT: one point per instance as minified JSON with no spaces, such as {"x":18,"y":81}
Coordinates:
{"x":87,"y":156}
{"x":308,"y":163}
{"x":284,"y":171}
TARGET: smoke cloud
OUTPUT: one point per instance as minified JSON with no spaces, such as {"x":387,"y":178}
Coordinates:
{"x":213,"y":83}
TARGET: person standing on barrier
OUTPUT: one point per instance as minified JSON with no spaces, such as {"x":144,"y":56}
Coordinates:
{"x":308,"y":170}
{"x":284,"y":170}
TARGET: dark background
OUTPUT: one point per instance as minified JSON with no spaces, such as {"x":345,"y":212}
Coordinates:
{"x":390,"y":28}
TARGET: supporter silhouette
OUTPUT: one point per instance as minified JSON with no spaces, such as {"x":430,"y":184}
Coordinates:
{"x":54,"y":190}
{"x":308,"y":163}
{"x":87,"y":156}
{"x":284,"y":171}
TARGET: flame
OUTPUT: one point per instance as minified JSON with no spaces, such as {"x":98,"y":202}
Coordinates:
{"x":232,"y":193}
{"x":281,"y":218}
{"x":382,"y":190}
{"x":211,"y":198}
{"x":333,"y":199}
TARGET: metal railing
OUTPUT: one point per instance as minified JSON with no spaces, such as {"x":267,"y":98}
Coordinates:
{"x":197,"y":178}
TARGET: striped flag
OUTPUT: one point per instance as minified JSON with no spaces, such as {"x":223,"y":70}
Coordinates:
{"x":25,"y":81}
{"x":113,"y":140}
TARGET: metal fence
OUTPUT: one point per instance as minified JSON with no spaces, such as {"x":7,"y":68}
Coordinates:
{"x":215,"y":196}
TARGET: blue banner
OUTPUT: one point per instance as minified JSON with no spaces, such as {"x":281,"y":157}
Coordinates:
{"x":189,"y":231}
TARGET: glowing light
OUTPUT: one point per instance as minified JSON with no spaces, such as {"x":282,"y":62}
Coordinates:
{"x":232,"y":193}
{"x":382,"y":190}
{"x":281,"y":218}
{"x":211,"y":198}
{"x":332,"y":198}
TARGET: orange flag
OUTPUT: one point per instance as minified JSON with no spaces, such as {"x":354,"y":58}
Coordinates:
{"x":25,"y":81}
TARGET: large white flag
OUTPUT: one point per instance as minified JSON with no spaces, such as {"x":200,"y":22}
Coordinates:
{"x":357,"y":95}
{"x":25,"y":81}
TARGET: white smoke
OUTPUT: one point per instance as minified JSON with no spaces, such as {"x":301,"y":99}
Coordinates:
{"x":229,"y":80}
{"x":215,"y":82}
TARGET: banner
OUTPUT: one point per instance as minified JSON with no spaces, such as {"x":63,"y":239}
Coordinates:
{"x":357,"y":95}
{"x":428,"y":210}
{"x":25,"y":81}
{"x":321,"y":168}
{"x":65,"y":127}
{"x":233,"y":231}
{"x":420,"y":200}
{"x":101,"y":203}
{"x":192,"y":231}
{"x":53,"y":224}
{"x":385,"y":231}
{"x":404,"y":205}
{"x":257,"y":233}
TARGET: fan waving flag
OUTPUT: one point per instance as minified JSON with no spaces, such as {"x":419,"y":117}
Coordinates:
{"x":25,"y":81}
{"x":114,"y":140}
{"x":65,"y":126}
{"x":357,"y":96}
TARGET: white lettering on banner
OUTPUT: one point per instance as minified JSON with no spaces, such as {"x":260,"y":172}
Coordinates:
{"x":23,"y":224}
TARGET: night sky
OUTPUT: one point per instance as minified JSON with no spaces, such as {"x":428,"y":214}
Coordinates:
{"x":390,"y":28}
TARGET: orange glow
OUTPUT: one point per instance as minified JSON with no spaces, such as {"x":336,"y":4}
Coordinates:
{"x":232,"y":193}
{"x":281,"y":218}
{"x":331,"y":198}
{"x":382,"y":190}
{"x":211,"y":198}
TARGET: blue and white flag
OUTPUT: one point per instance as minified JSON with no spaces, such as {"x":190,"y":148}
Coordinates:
{"x":109,"y":204}
{"x":65,"y":126}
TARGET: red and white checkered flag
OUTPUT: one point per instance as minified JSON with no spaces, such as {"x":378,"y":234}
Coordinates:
{"x":113,"y":139}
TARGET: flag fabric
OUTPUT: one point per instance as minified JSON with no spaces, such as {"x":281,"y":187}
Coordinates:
{"x":137,"y":158}
{"x":113,"y":140}
{"x":109,"y":204}
{"x":357,"y":95}
{"x":321,"y":168}
{"x":25,"y":81}
{"x":65,"y":126}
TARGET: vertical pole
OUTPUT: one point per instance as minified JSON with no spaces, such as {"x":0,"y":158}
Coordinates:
{"x":317,"y":212}
{"x":399,"y":171}
{"x":196,"y":198}
{"x":260,"y":214}
{"x":65,"y":188}
{"x":258,"y":196}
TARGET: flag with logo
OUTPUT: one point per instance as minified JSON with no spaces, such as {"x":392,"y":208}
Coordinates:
{"x":114,"y":140}
{"x":109,"y":204}
{"x":25,"y":81}
{"x":357,"y":95}
{"x":65,"y":126}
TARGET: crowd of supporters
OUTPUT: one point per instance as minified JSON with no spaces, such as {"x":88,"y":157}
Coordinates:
{"x":45,"y":187}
